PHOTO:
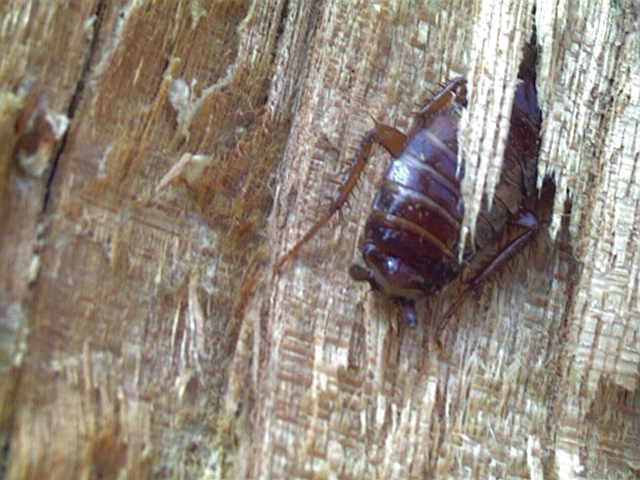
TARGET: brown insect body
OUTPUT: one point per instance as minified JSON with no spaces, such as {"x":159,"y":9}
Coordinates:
{"x":412,"y":234}
{"x":411,"y":238}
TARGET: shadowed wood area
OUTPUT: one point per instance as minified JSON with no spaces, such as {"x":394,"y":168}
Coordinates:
{"x":158,"y":157}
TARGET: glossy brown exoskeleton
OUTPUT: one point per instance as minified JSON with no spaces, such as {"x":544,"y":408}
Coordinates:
{"x":411,"y":238}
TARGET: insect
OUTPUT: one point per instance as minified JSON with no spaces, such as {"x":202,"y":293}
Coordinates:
{"x":410,"y":246}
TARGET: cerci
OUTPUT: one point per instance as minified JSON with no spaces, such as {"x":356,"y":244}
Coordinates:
{"x":410,"y":245}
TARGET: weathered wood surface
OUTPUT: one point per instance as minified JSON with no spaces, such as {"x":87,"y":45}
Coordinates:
{"x":158,"y":156}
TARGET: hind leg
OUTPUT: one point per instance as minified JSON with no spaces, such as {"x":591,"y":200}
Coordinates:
{"x":529,"y":219}
{"x":392,"y":140}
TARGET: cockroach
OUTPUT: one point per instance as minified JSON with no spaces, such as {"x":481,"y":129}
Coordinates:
{"x":411,"y":237}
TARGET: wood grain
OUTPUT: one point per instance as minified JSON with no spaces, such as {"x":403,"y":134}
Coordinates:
{"x":157,"y":157}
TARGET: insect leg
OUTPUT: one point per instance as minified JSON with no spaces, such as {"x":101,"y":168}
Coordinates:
{"x":442,"y":101}
{"x":524,"y":218}
{"x":391,"y":140}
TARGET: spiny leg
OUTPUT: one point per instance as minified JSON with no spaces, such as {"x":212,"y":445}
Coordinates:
{"x":442,"y":101}
{"x":524,"y":218}
{"x":391,"y":140}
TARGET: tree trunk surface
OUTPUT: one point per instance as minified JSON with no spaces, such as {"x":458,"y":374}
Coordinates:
{"x":158,"y":157}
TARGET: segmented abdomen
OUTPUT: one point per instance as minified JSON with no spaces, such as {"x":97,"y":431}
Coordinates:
{"x":413,"y":231}
{"x":417,"y":213}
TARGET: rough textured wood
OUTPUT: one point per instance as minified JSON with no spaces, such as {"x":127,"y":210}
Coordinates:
{"x":143,"y":334}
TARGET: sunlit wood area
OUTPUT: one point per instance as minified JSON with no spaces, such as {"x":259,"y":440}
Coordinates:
{"x":157,"y":157}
